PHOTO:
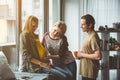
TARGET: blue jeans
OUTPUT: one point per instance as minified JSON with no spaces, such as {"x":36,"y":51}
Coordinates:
{"x":73,"y":68}
{"x":56,"y":73}
{"x":85,"y":78}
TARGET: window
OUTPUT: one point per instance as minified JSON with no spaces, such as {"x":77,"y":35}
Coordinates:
{"x":33,"y":7}
{"x":7,"y":21}
{"x":47,"y":14}
{"x":54,"y":12}
{"x":11,"y":21}
{"x":8,"y":29}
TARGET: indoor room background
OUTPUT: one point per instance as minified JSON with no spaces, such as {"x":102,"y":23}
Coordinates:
{"x":13,"y":14}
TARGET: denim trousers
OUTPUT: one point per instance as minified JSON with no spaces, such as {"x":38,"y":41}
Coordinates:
{"x":85,"y":78}
{"x":62,"y":71}
{"x":73,"y":68}
{"x":56,"y":73}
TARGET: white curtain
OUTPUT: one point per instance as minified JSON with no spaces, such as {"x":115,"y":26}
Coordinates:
{"x":105,"y":12}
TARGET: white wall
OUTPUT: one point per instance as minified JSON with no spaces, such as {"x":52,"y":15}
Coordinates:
{"x":72,"y":19}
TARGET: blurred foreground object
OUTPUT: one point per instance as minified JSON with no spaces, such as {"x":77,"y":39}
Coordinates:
{"x":5,"y":71}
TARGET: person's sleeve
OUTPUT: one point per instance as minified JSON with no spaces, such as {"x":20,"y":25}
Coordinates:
{"x":95,"y":43}
{"x":64,"y":46}
{"x":43,"y":39}
{"x":26,"y":53}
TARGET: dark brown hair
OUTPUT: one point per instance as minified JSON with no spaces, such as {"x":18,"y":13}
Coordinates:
{"x":89,"y":19}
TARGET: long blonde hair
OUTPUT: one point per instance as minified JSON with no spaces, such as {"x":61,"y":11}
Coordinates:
{"x":30,"y":22}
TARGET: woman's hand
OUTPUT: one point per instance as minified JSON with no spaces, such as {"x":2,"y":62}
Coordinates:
{"x":52,"y":57}
{"x":45,"y":65}
{"x":48,"y":57}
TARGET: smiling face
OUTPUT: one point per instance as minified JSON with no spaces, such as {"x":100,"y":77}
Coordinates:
{"x":87,"y":23}
{"x":85,"y":27}
{"x":58,"y":30}
{"x":56,"y":33}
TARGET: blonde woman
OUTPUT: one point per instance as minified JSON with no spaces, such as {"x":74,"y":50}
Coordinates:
{"x":56,"y":43}
{"x":31,"y":62}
